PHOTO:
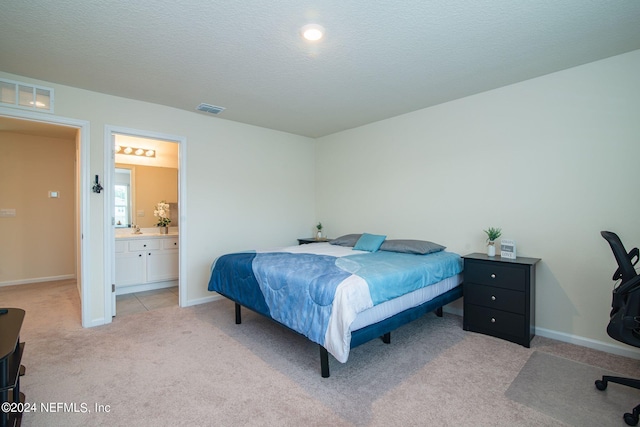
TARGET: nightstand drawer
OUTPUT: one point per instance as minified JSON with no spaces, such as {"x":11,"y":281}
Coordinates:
{"x":496,"y":298}
{"x":485,"y":320}
{"x":494,"y":274}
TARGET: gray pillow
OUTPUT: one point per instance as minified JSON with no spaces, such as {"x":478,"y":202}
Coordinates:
{"x":346,"y":240}
{"x":421,"y":247}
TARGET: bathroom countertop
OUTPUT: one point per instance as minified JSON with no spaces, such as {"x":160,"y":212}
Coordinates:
{"x":145,"y":233}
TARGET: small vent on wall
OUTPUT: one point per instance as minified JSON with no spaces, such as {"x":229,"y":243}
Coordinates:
{"x":26,"y":96}
{"x":208,"y":108}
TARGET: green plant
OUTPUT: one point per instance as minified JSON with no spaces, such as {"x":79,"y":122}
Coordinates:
{"x":319,"y":226}
{"x":493,"y":234}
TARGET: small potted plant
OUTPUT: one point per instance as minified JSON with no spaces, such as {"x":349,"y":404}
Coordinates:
{"x":492,"y":235}
{"x":319,"y":231}
{"x":162,"y":213}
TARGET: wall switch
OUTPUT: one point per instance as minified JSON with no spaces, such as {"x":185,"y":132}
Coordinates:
{"x":54,"y":194}
{"x":7,"y":213}
{"x":141,"y":212}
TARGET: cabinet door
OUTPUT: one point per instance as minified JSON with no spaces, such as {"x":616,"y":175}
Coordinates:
{"x":162,"y":265}
{"x":130,"y":268}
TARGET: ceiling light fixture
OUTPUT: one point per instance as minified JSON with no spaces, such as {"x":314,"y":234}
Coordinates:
{"x":312,"y":32}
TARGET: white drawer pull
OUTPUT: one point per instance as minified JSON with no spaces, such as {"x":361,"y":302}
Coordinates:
{"x":493,"y":276}
{"x":493,"y":320}
{"x":493,"y":297}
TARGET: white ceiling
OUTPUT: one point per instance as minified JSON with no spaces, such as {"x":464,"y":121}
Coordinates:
{"x":379,"y":59}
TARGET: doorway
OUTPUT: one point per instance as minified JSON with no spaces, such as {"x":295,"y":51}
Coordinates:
{"x":53,"y":126}
{"x":140,"y":259}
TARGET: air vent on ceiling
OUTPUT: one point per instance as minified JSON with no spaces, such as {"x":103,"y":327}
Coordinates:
{"x":26,"y":96}
{"x":208,"y":108}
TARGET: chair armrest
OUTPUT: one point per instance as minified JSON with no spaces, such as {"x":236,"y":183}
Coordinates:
{"x":628,"y":286}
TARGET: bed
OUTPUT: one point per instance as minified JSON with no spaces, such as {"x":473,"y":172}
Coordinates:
{"x":342,"y":293}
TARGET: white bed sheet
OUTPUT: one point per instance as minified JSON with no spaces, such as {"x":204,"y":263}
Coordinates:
{"x":389,"y":308}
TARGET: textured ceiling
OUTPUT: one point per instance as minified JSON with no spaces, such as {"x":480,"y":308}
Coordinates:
{"x":378,"y":59}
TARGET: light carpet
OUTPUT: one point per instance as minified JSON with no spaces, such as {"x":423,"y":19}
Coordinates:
{"x":194,"y":366}
{"x":565,"y":390}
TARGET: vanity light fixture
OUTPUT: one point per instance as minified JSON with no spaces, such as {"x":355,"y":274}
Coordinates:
{"x":312,"y":32}
{"x":133,"y":151}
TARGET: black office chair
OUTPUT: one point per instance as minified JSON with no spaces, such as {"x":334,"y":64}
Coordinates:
{"x":624,"y":322}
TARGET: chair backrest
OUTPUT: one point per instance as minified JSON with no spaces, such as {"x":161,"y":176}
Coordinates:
{"x":624,"y":322}
{"x":625,"y":270}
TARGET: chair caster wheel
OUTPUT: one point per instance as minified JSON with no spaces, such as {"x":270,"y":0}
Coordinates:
{"x":601,"y":385}
{"x":630,"y":419}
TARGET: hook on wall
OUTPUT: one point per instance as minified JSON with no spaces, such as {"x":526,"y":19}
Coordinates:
{"x":97,"y":188}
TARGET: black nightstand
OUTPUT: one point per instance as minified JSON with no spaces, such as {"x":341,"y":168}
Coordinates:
{"x":499,"y":297}
{"x":312,"y":240}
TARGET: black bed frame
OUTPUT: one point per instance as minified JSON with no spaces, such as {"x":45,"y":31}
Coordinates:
{"x":381,"y":329}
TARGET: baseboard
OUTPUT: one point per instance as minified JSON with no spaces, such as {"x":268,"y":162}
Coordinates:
{"x":620,"y":350}
{"x":204,"y":300}
{"x":123,"y":290}
{"x":95,"y":322}
{"x":37,"y":280}
{"x":630,"y":352}
{"x":453,"y":310}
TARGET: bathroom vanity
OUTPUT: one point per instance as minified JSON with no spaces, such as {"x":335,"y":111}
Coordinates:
{"x":145,"y":261}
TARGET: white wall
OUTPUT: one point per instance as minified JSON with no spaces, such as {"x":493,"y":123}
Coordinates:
{"x":552,"y":161}
{"x":247,"y":186}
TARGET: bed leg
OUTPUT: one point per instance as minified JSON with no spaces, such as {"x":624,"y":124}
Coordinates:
{"x":439,"y":311}
{"x":386,"y":338}
{"x":324,"y":362}
{"x":238,"y":316}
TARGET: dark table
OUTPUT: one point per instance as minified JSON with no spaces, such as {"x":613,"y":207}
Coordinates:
{"x":10,"y":369}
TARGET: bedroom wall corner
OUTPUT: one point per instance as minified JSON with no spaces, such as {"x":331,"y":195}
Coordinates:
{"x":550,"y":160}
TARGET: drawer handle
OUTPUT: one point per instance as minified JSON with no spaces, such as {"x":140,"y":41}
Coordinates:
{"x":493,"y":276}
{"x":493,"y":320}
{"x":493,"y":297}
{"x":139,"y":254}
{"x":145,"y":246}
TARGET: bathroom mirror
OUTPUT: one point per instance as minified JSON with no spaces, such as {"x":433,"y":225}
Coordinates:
{"x":138,"y":189}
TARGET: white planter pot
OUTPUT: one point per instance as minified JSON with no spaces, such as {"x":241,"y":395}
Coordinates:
{"x":491,"y":250}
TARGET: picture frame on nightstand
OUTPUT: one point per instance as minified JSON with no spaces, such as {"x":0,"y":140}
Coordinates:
{"x":508,"y":248}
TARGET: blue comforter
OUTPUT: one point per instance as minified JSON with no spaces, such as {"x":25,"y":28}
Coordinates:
{"x":320,"y":295}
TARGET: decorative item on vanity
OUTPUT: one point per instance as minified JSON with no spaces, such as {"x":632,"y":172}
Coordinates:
{"x":319,"y":231}
{"x":508,"y":248}
{"x":492,"y":235}
{"x":162,"y":213}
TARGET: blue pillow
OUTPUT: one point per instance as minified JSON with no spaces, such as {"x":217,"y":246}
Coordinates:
{"x":369,"y":242}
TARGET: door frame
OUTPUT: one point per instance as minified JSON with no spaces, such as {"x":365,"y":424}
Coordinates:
{"x":83,"y":258}
{"x":109,"y":232}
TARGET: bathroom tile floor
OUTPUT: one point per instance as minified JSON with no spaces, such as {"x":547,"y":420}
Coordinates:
{"x":145,"y":301}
